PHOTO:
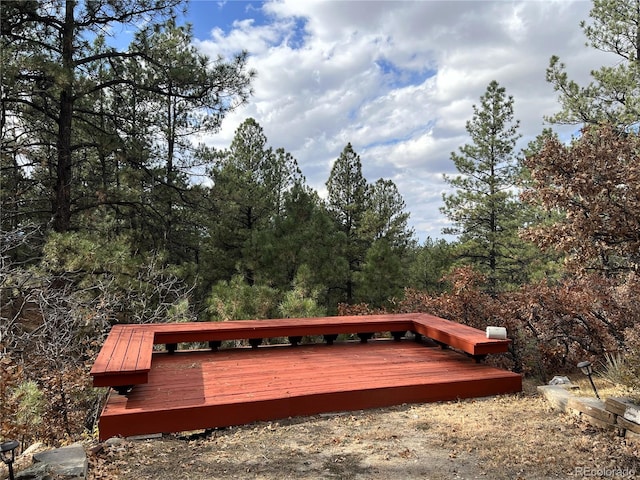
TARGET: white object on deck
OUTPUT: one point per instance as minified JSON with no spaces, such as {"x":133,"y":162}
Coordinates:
{"x":499,"y":333}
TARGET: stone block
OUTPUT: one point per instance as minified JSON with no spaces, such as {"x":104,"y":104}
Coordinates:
{"x":596,"y":422}
{"x":114,"y":441}
{"x":148,"y":436}
{"x":592,"y":407}
{"x":629,"y":426}
{"x":66,"y":462}
{"x":619,"y":406}
{"x":36,"y":472}
{"x":632,"y":437}
{"x":632,"y":414}
{"x":556,"y":395}
{"x":24,"y":460}
{"x":559,"y":380}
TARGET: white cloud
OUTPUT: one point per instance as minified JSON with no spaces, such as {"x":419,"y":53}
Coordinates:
{"x":398,"y":80}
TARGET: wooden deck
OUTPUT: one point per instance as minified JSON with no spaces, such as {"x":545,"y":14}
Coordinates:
{"x":125,"y":358}
{"x":203,"y":389}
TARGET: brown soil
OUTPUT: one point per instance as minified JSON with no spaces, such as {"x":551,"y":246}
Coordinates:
{"x":508,"y":437}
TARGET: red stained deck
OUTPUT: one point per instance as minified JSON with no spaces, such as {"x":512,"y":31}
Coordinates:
{"x":195,"y":390}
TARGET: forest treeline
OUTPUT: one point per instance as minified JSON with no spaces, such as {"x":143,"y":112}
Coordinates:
{"x":110,"y":212}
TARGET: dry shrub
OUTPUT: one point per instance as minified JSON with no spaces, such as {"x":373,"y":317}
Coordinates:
{"x":552,"y":326}
{"x":344,"y":309}
{"x":595,"y":181}
{"x":11,"y":376}
{"x":631,"y":364}
{"x":42,"y":403}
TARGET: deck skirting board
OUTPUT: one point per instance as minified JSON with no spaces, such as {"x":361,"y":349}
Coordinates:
{"x":212,"y":416}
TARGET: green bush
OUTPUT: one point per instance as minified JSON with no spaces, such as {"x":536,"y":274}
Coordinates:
{"x":302,"y":301}
{"x":237,"y":300}
{"x":30,"y":405}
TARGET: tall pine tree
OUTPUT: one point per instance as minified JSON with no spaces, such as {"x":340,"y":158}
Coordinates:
{"x":614,"y":94}
{"x":347,"y":202}
{"x":63,"y":83}
{"x":484,"y":208}
{"x":250,"y":181}
{"x":384,"y":271}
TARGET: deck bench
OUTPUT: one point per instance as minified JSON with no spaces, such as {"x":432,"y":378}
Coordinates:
{"x":457,"y":335}
{"x":125,"y":358}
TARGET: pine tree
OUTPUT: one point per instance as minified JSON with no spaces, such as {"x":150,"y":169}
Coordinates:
{"x":63,"y":85}
{"x":250,"y":181}
{"x":348,"y":194}
{"x":484,"y":208}
{"x":180,"y":96}
{"x":431,"y":262}
{"x":347,"y":191}
{"x":386,"y":263}
{"x":386,"y":216}
{"x":614,"y":94}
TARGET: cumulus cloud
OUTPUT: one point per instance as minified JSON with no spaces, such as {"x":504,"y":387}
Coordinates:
{"x":396,"y":79}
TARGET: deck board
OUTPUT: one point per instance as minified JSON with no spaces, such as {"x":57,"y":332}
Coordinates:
{"x":124,"y":359}
{"x":194,"y":390}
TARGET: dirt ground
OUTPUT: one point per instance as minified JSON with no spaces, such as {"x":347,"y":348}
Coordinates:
{"x":507,"y":437}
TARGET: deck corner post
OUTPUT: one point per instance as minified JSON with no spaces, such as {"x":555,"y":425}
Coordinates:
{"x":364,"y":336}
{"x":397,"y":336}
{"x":123,"y":389}
{"x":442,"y":345}
{"x":330,"y":338}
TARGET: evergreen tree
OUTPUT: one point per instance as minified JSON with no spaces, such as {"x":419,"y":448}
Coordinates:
{"x":381,"y":277}
{"x":250,"y":181}
{"x":63,"y":82}
{"x":614,"y":94}
{"x":430,"y":263}
{"x":59,"y":82}
{"x":180,"y":96}
{"x":390,"y":239}
{"x":236,"y":300}
{"x":348,"y":194}
{"x":484,"y":209}
{"x":303,"y":237}
{"x":386,"y":216}
{"x":302,"y":300}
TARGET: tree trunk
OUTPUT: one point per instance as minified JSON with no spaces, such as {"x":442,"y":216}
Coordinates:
{"x":62,"y":201}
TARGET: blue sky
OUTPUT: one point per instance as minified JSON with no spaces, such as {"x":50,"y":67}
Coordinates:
{"x":206,"y":14}
{"x":396,"y":79}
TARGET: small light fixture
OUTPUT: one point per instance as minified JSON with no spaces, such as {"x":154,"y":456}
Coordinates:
{"x":587,"y":369}
{"x":8,"y":455}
